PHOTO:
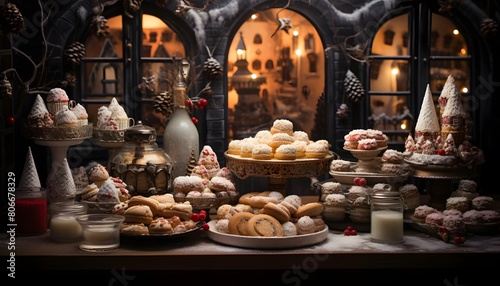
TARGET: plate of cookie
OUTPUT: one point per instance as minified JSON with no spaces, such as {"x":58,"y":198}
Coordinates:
{"x":266,"y":242}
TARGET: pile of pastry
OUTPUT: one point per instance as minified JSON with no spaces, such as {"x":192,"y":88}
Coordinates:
{"x":279,"y":142}
{"x":270,"y":214}
{"x":157,"y":214}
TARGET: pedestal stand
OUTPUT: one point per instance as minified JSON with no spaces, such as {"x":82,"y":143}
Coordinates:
{"x":112,"y":140}
{"x":278,"y":171}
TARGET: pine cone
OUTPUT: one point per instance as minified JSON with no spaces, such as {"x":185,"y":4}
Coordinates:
{"x":75,"y":53}
{"x":489,"y":27}
{"x":192,"y":163}
{"x":212,"y":68}
{"x":12,"y":19}
{"x":353,"y":87}
{"x":163,"y":103}
{"x":5,"y":88}
{"x":343,"y":111}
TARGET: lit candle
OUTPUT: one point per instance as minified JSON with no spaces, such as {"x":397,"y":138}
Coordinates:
{"x":65,"y":228}
{"x":387,"y":226}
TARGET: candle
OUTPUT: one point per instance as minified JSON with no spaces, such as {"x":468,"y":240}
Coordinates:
{"x":31,"y":216}
{"x":387,"y":226}
{"x":65,"y":228}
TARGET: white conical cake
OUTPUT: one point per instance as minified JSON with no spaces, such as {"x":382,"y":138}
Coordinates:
{"x":64,"y":185}
{"x":29,"y":178}
{"x":39,"y":109}
{"x":107,"y":192}
{"x":428,"y":121}
{"x":81,"y":179}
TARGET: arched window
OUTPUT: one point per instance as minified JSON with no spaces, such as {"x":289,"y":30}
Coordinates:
{"x":407,"y":55}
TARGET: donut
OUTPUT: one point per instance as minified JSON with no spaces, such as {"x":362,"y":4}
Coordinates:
{"x":185,"y":184}
{"x":264,"y":225}
{"x":138,"y":214}
{"x":309,"y":209}
{"x":286,"y":152}
{"x":278,"y":211}
{"x":238,"y":223}
{"x":282,"y":126}
{"x":316,"y":150}
{"x":141,"y":200}
{"x":219,"y":184}
{"x":262,"y":151}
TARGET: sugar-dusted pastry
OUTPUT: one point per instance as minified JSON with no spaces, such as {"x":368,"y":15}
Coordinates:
{"x":57,"y":98}
{"x":316,"y":150}
{"x":98,"y":175}
{"x":286,"y":152}
{"x":81,"y":114}
{"x":262,"y":151}
{"x":282,"y":126}
{"x":65,"y":118}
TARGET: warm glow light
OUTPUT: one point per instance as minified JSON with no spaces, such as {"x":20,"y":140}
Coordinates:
{"x":295,"y":33}
{"x":463,"y":51}
{"x":465,"y":90}
{"x":152,"y":22}
{"x":395,"y":71}
{"x":254,"y":76}
{"x":298,"y":52}
{"x":456,"y":32}
{"x":403,"y":126}
{"x":254,"y":16}
{"x":239,"y":52}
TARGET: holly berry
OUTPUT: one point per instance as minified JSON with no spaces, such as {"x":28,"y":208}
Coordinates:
{"x":356,"y":181}
{"x":11,"y":120}
{"x":362,"y":182}
{"x":195,"y":217}
{"x":188,"y":103}
{"x":203,"y":102}
{"x":202,"y":216}
{"x":205,"y":227}
{"x":194,"y":119}
{"x":354,"y":232}
{"x":347,"y":232}
{"x":350,"y":227}
{"x":459,"y":240}
{"x":350,"y":231}
{"x":441,"y":152}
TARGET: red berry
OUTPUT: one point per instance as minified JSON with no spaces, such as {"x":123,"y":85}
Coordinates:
{"x":458,"y":240}
{"x":204,"y":101}
{"x":188,"y":103}
{"x":347,"y":232}
{"x":350,"y":227}
{"x":202,"y":216}
{"x":11,"y":120}
{"x":194,"y":119}
{"x":443,"y":229}
{"x":203,"y":212}
{"x":195,"y":217}
{"x":356,"y":181}
{"x":441,"y":152}
{"x":205,"y":226}
{"x":353,"y":232}
{"x":362,"y":182}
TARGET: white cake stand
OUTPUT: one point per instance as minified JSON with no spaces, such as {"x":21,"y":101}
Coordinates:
{"x":366,"y":159}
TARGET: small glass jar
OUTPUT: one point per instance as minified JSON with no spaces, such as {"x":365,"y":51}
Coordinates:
{"x":387,"y":217}
{"x":63,"y":225}
{"x":101,"y":232}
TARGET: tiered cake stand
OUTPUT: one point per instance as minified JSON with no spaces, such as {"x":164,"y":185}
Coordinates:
{"x":112,"y":140}
{"x":58,"y":139}
{"x":278,"y":171}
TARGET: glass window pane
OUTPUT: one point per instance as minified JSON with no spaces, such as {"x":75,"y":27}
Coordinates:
{"x":390,"y":113}
{"x":159,"y":40}
{"x":441,"y":69}
{"x":446,"y":39}
{"x":392,"y":38}
{"x":102,"y":79}
{"x":389,"y":75}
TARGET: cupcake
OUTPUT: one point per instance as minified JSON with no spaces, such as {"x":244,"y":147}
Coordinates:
{"x":81,"y":114}
{"x":98,"y":175}
{"x":65,"y":118}
{"x":119,"y":114}
{"x":56,"y":100}
{"x":104,"y":119}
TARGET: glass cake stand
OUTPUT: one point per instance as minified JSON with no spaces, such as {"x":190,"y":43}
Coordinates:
{"x":278,"y":171}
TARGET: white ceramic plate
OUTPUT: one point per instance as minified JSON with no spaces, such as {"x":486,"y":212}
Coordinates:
{"x":266,"y":242}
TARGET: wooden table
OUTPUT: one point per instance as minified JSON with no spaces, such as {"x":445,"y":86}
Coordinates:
{"x":197,"y":259}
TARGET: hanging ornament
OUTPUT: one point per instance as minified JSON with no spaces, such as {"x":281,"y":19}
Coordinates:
{"x":212,"y":68}
{"x":353,"y":87}
{"x":74,"y":54}
{"x":5,"y":88}
{"x":11,"y":120}
{"x":12,"y":19}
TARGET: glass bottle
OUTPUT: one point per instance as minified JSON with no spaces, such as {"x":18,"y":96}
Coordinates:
{"x":181,"y":138}
{"x":387,"y":217}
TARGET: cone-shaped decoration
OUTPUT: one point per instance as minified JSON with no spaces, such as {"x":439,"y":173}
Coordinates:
{"x":63,"y":187}
{"x":29,"y":178}
{"x":428,"y":123}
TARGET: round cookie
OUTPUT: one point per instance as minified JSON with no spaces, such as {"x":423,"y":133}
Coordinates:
{"x":141,"y":200}
{"x":238,"y":223}
{"x":264,"y":225}
{"x":278,"y":211}
{"x":309,"y":209}
{"x":138,"y":214}
{"x":246,"y":198}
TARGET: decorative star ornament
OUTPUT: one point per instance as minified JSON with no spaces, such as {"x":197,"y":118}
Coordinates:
{"x":283,"y":24}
